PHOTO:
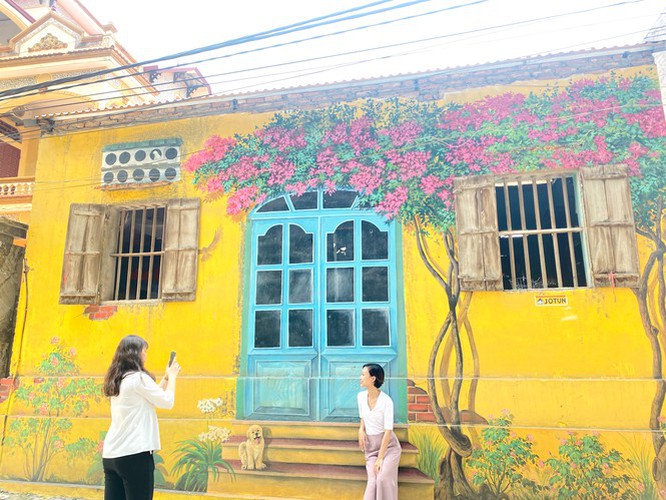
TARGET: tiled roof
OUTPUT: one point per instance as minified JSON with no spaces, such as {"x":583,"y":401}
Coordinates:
{"x":431,"y":85}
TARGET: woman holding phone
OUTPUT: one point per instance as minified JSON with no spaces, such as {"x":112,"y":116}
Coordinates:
{"x":376,"y":437}
{"x":134,"y":434}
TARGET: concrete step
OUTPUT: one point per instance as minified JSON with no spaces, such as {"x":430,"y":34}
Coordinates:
{"x":304,"y":430}
{"x":315,"y":451}
{"x":314,"y":481}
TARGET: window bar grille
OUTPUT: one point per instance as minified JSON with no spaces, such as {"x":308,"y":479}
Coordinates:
{"x":152,"y":254}
{"x":165,"y":216}
{"x":556,"y":247}
{"x":537,"y":215}
{"x":572,"y":255}
{"x":129,"y":255}
{"x":509,"y":227}
{"x":141,"y":251}
{"x":121,"y":225}
{"x":523,"y":224}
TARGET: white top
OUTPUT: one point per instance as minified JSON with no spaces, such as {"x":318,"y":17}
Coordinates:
{"x":134,"y":426}
{"x":380,"y":418}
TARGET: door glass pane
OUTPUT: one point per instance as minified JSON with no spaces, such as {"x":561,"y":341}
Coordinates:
{"x":276,"y":205}
{"x":305,"y":201}
{"x":300,"y":245}
{"x":340,"y":244}
{"x":267,"y":329}
{"x":300,"y":328}
{"x":375,"y":284}
{"x":374,"y":243}
{"x":300,"y":286}
{"x":269,"y":287}
{"x":375,"y":326}
{"x":339,"y":199}
{"x":340,"y":327}
{"x":269,"y":248}
{"x":340,"y":284}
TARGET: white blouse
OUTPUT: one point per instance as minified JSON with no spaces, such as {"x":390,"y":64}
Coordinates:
{"x":380,"y":418}
{"x":134,"y":426}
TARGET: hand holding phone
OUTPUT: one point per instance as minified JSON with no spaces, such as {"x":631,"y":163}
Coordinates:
{"x":172,"y":356}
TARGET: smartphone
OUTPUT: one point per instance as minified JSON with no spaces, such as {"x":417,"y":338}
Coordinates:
{"x":172,"y":356}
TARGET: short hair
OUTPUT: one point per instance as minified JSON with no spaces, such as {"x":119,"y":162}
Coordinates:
{"x":375,"y":370}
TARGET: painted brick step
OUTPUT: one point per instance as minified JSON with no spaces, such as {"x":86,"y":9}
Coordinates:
{"x":304,"y":430}
{"x":309,"y":481}
{"x":315,"y":451}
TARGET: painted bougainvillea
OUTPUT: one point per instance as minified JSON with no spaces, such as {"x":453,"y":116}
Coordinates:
{"x":402,"y":156}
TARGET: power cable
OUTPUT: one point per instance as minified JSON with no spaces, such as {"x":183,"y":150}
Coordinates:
{"x":259,"y":49}
{"x":77,"y":99}
{"x":85,"y":119}
{"x":283,"y":30}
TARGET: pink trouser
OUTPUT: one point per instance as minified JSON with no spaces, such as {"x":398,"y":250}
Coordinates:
{"x":382,"y":486}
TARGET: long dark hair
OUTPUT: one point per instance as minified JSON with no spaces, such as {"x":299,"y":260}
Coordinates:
{"x":127,"y":359}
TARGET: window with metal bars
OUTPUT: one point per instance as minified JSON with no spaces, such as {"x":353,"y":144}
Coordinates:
{"x":540,"y":233}
{"x":139,"y":253}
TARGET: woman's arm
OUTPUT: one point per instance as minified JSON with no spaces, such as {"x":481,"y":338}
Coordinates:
{"x":362,"y":438}
{"x":382,"y":450}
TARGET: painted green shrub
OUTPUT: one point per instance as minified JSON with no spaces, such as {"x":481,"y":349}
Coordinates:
{"x":55,"y":395}
{"x":500,"y":463}
{"x":199,"y":459}
{"x":585,"y":469}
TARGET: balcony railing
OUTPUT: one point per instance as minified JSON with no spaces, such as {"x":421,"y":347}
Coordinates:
{"x":16,"y":187}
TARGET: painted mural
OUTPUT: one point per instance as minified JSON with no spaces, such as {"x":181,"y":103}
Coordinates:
{"x":401,"y":157}
{"x":365,"y":195}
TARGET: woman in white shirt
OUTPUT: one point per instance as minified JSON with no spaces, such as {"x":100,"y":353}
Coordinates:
{"x":134,"y":435}
{"x":376,"y":437}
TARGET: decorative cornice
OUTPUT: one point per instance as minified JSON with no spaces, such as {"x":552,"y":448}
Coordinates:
{"x":48,"y":42}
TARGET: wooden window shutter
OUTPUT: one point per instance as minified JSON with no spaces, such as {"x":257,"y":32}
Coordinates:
{"x":478,"y":237}
{"x":83,"y":254}
{"x":609,"y":218}
{"x":181,"y":249}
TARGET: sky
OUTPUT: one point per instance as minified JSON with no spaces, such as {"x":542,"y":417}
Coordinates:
{"x":426,"y":35}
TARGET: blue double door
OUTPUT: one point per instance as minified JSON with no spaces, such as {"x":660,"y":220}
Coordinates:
{"x":323,"y":301}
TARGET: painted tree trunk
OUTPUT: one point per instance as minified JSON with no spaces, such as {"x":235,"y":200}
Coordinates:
{"x":654,"y":325}
{"x":452,"y":480}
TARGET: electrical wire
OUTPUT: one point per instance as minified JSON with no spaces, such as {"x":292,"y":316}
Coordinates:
{"x":85,"y":119}
{"x":283,"y":30}
{"x":74,"y":100}
{"x":507,"y":25}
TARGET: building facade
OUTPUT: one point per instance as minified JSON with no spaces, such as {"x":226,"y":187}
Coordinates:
{"x":492,"y":235}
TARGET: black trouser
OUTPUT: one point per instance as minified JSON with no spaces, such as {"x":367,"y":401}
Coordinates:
{"x":129,"y":478}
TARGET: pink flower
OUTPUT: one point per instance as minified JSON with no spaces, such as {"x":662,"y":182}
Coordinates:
{"x":214,"y":150}
{"x":392,"y":202}
{"x":242,"y":199}
{"x":72,"y":352}
{"x":282,"y":138}
{"x":55,"y":340}
{"x":402,"y":134}
{"x":297,"y":188}
{"x":430,"y":184}
{"x":55,"y":361}
{"x":281,"y":171}
{"x":411,"y":164}
{"x":61,"y":382}
{"x":43,"y":409}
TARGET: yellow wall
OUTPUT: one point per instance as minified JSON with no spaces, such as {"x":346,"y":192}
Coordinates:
{"x":583,"y":366}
